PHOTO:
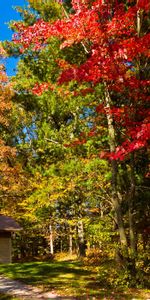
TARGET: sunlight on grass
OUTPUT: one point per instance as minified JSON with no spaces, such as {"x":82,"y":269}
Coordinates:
{"x":67,"y":278}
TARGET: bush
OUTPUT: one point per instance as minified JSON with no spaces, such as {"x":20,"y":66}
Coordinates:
{"x":95,"y":257}
{"x":62,"y":256}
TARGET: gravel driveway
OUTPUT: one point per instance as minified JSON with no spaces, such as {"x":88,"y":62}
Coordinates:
{"x":27,"y":292}
{"x":16,"y":288}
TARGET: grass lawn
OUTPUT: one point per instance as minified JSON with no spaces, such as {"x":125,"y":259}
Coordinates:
{"x":67,"y":278}
{"x":6,"y":297}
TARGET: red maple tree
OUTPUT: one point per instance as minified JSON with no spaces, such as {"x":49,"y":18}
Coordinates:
{"x":116,"y":44}
{"x":117,"y":52}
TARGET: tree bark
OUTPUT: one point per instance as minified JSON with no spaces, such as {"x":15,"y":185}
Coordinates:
{"x":81,"y":240}
{"x":51,"y":239}
{"x":131,"y":204}
{"x":116,"y":197}
{"x":70,"y":243}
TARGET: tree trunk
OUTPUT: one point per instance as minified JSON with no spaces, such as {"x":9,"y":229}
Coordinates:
{"x":81,"y":240}
{"x":51,"y":239}
{"x":139,"y":21}
{"x":131,"y":204}
{"x":61,"y":245}
{"x":116,"y":197}
{"x":70,"y":244}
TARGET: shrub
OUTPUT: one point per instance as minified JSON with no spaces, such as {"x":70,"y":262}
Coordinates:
{"x":95,"y":257}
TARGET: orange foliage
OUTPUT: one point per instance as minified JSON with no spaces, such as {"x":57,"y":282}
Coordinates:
{"x":7,"y":153}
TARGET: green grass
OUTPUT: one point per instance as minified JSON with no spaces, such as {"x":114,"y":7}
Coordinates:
{"x":7,"y":297}
{"x":66,"y":278}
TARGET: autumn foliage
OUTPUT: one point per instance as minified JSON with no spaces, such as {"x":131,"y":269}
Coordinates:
{"x":80,"y":122}
{"x":116,"y":55}
{"x":6,"y":151}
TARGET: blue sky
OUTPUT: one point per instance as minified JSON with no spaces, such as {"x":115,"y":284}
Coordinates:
{"x":8,"y":13}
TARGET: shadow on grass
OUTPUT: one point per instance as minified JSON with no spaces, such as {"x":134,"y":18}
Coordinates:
{"x":42,"y":271}
{"x":7,"y":297}
{"x":59,"y":276}
{"x":65,"y":278}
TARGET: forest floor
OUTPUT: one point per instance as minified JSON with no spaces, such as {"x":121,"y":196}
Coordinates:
{"x":60,"y":280}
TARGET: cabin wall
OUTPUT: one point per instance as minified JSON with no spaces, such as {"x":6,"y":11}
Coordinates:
{"x":5,"y":248}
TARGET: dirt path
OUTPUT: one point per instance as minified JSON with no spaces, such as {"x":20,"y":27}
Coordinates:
{"x":23,"y":291}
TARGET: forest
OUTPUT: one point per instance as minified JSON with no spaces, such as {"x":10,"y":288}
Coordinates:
{"x":74,"y":135}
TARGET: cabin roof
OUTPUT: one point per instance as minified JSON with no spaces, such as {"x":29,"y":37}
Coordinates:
{"x":8,"y":224}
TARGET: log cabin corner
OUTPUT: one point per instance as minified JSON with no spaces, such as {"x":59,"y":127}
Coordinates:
{"x":7,"y":226}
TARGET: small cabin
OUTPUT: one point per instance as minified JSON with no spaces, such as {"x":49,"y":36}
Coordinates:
{"x":7,"y":227}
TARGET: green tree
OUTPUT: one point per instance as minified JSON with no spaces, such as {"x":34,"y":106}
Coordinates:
{"x":90,"y":106}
